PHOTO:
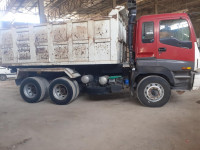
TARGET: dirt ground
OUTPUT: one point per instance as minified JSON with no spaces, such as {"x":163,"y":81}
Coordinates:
{"x":112,"y":122}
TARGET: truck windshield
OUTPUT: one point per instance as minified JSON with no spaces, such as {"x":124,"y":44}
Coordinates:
{"x":175,"y":33}
{"x":178,"y":29}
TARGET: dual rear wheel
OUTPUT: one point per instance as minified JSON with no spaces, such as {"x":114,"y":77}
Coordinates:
{"x":34,"y":89}
{"x":62,"y":91}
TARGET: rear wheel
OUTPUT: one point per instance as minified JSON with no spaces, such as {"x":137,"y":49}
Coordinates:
{"x":153,"y":91}
{"x":77,"y":88}
{"x":62,"y":91}
{"x":3,"y":77}
{"x":46,"y":83}
{"x":32,"y":89}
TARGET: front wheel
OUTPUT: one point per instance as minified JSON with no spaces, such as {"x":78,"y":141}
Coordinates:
{"x":153,"y":91}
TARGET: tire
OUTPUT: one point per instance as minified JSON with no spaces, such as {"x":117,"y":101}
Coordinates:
{"x":77,"y":88}
{"x":153,"y":91}
{"x":3,"y":77}
{"x":62,"y":91}
{"x":46,"y":83}
{"x":33,"y":89}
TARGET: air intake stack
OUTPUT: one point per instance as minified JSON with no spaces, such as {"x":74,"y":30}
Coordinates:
{"x":131,"y":22}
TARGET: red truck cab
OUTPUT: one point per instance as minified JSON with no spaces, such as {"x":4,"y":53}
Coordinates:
{"x":166,"y":36}
{"x":165,"y":46}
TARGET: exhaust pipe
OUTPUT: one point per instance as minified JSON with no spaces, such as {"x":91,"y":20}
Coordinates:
{"x":132,"y":17}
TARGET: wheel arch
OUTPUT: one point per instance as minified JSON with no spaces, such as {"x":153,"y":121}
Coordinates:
{"x":165,"y":73}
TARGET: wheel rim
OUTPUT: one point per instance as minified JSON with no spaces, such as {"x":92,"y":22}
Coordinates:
{"x":30,"y":90}
{"x":154,"y":92}
{"x":60,"y":92}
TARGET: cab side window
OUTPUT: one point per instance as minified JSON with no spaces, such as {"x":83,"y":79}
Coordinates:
{"x":148,"y":32}
{"x":175,"y":33}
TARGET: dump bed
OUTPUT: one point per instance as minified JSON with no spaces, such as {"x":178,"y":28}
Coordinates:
{"x":91,"y":41}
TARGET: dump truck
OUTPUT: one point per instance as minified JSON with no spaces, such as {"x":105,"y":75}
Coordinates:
{"x":150,"y":56}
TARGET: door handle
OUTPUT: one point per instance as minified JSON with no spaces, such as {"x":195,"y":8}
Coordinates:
{"x":162,"y":49}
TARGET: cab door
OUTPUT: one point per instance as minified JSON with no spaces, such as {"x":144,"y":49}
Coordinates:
{"x":174,"y":42}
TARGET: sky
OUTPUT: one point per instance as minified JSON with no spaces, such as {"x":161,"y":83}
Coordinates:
{"x":20,"y":17}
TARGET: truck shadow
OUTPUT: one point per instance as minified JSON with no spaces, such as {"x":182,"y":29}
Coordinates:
{"x":126,"y":97}
{"x":122,"y":97}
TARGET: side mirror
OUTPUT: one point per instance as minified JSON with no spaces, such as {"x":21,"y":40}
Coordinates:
{"x":198,"y":44}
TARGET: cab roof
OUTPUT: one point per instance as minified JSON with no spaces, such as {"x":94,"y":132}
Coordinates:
{"x":167,"y":15}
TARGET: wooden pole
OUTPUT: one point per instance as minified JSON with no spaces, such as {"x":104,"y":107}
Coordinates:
{"x":156,"y":6}
{"x":114,"y":3}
